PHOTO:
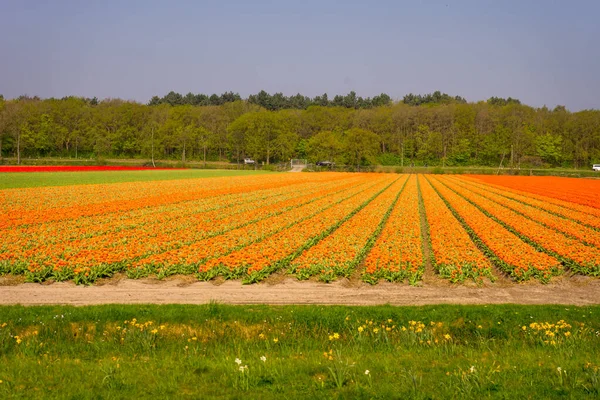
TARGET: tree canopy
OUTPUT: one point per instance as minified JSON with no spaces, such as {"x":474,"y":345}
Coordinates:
{"x":433,"y":129}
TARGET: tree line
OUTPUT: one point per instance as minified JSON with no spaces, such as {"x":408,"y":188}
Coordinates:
{"x":433,"y":129}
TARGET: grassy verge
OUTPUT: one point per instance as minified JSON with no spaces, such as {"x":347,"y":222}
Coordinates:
{"x":11,"y":180}
{"x":209,"y":351}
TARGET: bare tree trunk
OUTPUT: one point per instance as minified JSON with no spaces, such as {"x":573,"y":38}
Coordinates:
{"x":0,"y":147}
{"x":19,"y":148}
{"x":183,"y":154}
{"x":402,"y":156}
{"x":153,"y":164}
{"x":205,"y":156}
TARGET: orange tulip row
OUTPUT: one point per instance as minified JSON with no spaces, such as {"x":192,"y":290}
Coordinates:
{"x":79,"y":203}
{"x":203,"y":249}
{"x":258,"y":260}
{"x":567,"y":189}
{"x":112,"y":229}
{"x":455,"y":255}
{"x":127,"y":245}
{"x":561,"y":224}
{"x":576,"y":212}
{"x":567,"y":197}
{"x":586,"y":258}
{"x":398,"y":252}
{"x":339,"y":253}
{"x":518,"y":258}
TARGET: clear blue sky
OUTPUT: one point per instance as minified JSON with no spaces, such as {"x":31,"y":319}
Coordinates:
{"x":540,"y":51}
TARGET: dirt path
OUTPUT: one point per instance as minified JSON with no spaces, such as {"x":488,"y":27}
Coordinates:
{"x":571,"y":291}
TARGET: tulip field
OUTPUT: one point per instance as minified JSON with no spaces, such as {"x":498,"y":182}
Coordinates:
{"x":324,"y":226}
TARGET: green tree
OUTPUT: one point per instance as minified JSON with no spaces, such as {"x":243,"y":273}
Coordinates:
{"x":361,"y":146}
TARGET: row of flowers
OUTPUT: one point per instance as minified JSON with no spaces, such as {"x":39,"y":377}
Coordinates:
{"x":580,"y":257}
{"x":260,"y":259}
{"x":455,"y":256}
{"x":512,"y":254}
{"x":566,"y":192}
{"x":253,"y":228}
{"x":559,"y":223}
{"x":570,"y":211}
{"x":69,"y":238}
{"x":42,"y":205}
{"x":339,"y":253}
{"x":398,"y":251}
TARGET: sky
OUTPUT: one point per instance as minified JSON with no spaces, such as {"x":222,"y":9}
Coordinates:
{"x":543,"y":52}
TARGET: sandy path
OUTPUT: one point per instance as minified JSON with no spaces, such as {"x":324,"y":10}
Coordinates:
{"x":289,"y":291}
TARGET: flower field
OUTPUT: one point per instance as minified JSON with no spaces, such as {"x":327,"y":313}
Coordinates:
{"x":323,"y":226}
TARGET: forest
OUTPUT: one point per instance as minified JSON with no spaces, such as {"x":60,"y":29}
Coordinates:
{"x":433,"y":129}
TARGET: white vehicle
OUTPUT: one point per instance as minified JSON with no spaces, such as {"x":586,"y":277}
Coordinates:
{"x":249,"y":161}
{"x":596,"y":167}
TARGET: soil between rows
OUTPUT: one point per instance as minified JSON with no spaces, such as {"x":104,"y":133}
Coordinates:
{"x":575,"y":290}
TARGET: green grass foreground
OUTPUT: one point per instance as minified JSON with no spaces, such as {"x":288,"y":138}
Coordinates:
{"x":263,"y":352}
{"x":10,"y":180}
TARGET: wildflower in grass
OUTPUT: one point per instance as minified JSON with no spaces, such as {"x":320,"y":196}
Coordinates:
{"x":367,"y":372}
{"x":18,"y":339}
{"x":524,"y":327}
{"x":154,"y":331}
{"x":375,"y":330}
{"x":472,"y":369}
{"x":275,"y":340}
{"x":360,"y":329}
{"x":447,"y":336}
{"x":238,"y":361}
{"x":263,"y":359}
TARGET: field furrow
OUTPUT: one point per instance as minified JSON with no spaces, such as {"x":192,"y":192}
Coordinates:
{"x":398,"y":251}
{"x":455,"y":255}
